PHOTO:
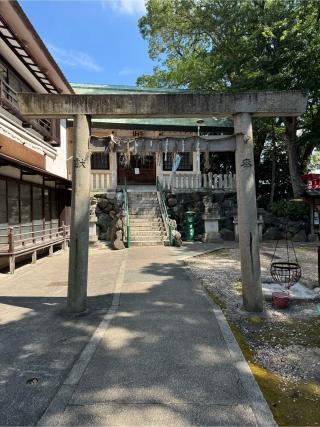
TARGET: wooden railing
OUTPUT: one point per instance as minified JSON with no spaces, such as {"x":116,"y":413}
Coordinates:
{"x":102,"y":180}
{"x":14,"y":244}
{"x":187,"y":182}
{"x":9,"y":101}
{"x":8,"y":94}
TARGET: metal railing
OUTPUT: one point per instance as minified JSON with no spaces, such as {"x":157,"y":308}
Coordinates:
{"x":126,"y":210}
{"x":12,"y":242}
{"x":164,"y":209}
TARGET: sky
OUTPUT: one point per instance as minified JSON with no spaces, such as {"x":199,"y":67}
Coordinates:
{"x":93,"y":41}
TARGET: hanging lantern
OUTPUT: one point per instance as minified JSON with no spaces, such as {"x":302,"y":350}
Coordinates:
{"x":286,"y":272}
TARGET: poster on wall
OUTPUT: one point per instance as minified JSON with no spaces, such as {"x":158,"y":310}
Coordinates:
{"x":136,"y":171}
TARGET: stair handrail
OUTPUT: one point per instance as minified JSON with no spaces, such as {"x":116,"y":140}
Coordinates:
{"x":167,"y":219}
{"x":126,"y":211}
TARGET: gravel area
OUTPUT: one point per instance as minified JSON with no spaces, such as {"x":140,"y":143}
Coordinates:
{"x":286,"y":342}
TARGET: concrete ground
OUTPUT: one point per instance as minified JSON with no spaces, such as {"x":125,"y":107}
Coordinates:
{"x":152,"y":349}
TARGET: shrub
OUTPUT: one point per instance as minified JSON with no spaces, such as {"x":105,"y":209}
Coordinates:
{"x":294,"y":210}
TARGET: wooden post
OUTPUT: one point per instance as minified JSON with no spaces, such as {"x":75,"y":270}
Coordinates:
{"x":64,"y":244}
{"x":12,"y":261}
{"x":11,"y":239}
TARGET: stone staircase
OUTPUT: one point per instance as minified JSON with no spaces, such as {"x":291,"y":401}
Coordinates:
{"x":146,"y":222}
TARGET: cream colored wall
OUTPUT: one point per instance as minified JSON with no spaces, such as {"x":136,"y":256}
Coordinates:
{"x":58,"y":165}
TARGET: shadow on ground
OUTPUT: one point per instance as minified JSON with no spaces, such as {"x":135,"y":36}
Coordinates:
{"x":163,"y":359}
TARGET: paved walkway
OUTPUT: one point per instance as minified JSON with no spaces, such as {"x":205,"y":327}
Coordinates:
{"x":162,"y":358}
{"x":37,"y":339}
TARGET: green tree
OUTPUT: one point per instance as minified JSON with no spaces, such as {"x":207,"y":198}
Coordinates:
{"x":242,"y":45}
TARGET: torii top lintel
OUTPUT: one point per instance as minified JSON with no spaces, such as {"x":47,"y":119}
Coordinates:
{"x":189,"y":104}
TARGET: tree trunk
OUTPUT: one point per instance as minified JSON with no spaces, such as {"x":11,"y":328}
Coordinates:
{"x":293,"y":156}
{"x":273,"y":170}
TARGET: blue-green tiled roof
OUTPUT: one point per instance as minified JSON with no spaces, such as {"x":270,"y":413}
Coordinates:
{"x":104,"y":89}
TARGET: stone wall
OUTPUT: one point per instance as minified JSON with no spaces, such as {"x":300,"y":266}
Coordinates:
{"x":179,"y":203}
{"x":274,"y":226}
{"x":110,"y":218}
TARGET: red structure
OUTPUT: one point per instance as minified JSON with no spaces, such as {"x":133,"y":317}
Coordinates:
{"x":312,"y":181}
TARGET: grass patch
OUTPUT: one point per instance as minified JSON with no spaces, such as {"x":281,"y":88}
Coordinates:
{"x":292,"y":403}
{"x":215,"y":298}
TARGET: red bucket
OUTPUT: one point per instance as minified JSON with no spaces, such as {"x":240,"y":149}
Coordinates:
{"x":280,"y":299}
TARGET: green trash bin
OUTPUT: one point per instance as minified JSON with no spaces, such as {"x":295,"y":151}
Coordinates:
{"x":188,"y":225}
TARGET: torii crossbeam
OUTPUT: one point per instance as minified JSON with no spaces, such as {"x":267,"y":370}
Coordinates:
{"x":241,"y":106}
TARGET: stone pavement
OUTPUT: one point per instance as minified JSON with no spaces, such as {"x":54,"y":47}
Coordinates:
{"x":37,"y":339}
{"x":163,"y":357}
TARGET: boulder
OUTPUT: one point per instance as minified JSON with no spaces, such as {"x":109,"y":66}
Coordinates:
{"x":226,"y":234}
{"x":104,"y":236}
{"x":98,"y":210}
{"x":272,"y":233}
{"x":119,"y":234}
{"x":176,"y":238}
{"x":103,"y":222}
{"x":103,"y":203}
{"x":119,"y":224}
{"x":108,"y":208}
{"x":172,"y":201}
{"x":118,"y":244}
{"x":300,"y":236}
{"x":119,"y":198}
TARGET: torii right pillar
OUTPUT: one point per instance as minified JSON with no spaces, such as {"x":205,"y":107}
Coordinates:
{"x":247,"y":214}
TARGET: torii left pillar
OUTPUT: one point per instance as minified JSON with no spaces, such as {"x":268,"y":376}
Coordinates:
{"x":80,"y":209}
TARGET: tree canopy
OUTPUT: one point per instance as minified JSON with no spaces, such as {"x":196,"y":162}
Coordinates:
{"x":241,"y":45}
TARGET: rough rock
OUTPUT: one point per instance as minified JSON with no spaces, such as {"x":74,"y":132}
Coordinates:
{"x":119,"y":224}
{"x":103,"y":236}
{"x":119,"y":234}
{"x":176,"y":238}
{"x":102,"y":204}
{"x":226,"y":234}
{"x":103,"y":222}
{"x":272,"y":233}
{"x":172,"y":201}
{"x":300,"y":236}
{"x":118,"y":244}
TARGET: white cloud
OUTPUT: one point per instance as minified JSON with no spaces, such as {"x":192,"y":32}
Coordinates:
{"x":127,"y":71}
{"x":73,"y":58}
{"x":129,"y":7}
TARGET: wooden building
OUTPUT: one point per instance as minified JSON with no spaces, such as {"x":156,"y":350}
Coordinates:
{"x":34,"y":182}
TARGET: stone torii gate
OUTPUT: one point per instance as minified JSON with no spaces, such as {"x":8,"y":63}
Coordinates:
{"x":241,"y":106}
